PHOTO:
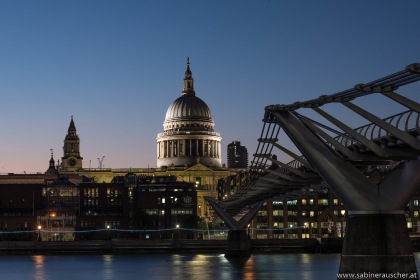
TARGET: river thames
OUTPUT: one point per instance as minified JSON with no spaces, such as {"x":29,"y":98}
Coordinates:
{"x":176,"y":266}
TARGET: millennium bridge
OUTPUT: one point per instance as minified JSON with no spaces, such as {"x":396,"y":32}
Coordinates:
{"x":329,"y":153}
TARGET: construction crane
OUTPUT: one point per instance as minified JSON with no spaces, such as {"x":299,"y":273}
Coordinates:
{"x":101,"y":161}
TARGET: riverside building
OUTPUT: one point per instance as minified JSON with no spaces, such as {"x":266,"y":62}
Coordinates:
{"x":189,"y":153}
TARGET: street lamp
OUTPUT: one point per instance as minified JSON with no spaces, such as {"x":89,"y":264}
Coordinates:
{"x":39,"y":233}
{"x":107,"y":227}
{"x":177,"y":231}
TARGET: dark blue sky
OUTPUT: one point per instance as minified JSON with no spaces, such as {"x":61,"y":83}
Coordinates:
{"x":118,"y":65}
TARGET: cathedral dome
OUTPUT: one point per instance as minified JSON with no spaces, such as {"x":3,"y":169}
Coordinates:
{"x":188,"y":135}
{"x":188,"y":107}
{"x":188,"y":112}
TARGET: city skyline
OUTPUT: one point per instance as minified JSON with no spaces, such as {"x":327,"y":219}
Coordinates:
{"x":116,"y":67}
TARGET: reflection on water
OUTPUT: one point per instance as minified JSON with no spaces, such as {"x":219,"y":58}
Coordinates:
{"x":244,"y":264}
{"x":107,"y":271}
{"x":38,"y":267}
{"x":178,"y":266}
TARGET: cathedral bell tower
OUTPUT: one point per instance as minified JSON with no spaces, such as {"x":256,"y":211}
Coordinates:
{"x":71,"y":160}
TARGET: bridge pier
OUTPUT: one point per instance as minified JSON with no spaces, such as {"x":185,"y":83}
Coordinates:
{"x":377,"y":243}
{"x":238,"y":244}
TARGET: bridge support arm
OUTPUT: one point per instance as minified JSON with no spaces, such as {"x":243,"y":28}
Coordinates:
{"x":400,"y":186}
{"x":238,"y":243}
{"x":229,"y":221}
{"x":355,"y":191}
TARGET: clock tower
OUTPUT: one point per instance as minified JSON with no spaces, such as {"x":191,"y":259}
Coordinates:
{"x":71,"y":160}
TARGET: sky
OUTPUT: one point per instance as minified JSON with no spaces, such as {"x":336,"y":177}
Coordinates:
{"x":116,"y":66}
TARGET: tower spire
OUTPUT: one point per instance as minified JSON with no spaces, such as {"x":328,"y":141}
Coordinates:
{"x":72,"y":127}
{"x":52,"y":159}
{"x":71,"y":160}
{"x":51,"y":168}
{"x":188,"y":80}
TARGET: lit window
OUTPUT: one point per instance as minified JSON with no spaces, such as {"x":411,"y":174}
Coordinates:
{"x":416,"y":202}
{"x":322,"y":201}
{"x":416,"y":213}
{"x":292,"y":202}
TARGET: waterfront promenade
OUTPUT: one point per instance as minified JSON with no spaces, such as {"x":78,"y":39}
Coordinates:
{"x":165,"y":246}
{"x":305,"y":245}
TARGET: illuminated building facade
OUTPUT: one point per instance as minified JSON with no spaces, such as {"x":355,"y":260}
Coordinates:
{"x":47,"y":209}
{"x":318,"y":214}
{"x":61,"y":202}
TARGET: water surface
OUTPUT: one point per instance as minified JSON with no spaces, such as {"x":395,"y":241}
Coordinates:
{"x":181,"y":266}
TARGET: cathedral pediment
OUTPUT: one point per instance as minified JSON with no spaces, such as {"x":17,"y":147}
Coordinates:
{"x":198,"y":167}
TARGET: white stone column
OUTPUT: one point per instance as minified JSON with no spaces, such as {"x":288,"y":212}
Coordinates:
{"x":210,"y":148}
{"x":164,"y":148}
{"x":215,"y":149}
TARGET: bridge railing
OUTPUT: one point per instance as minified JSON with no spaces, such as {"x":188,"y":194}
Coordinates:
{"x":407,"y":121}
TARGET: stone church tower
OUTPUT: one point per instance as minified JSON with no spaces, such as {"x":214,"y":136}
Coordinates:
{"x":71,"y":160}
{"x":188,"y":136}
